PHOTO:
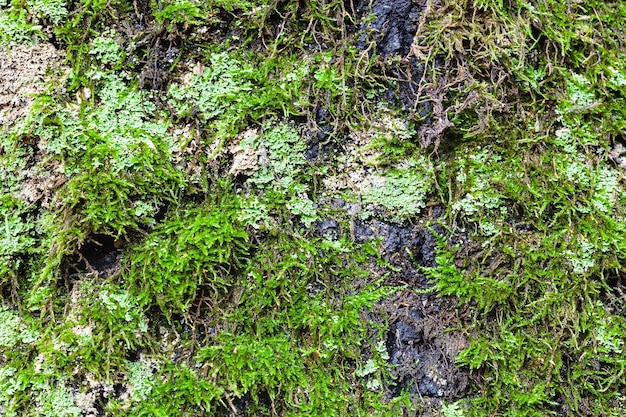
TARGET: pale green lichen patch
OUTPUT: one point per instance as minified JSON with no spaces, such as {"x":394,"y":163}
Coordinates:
{"x":56,"y":402}
{"x":13,"y":330}
{"x":402,"y":192}
{"x":279,"y":169}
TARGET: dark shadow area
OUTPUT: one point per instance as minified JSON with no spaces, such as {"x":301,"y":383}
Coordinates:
{"x":99,"y":254}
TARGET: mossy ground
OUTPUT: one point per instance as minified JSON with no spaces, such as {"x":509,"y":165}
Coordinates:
{"x":228,"y":208}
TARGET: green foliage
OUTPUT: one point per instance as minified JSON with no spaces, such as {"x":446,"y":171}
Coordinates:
{"x":180,"y":11}
{"x":105,"y":323}
{"x":258,"y":310}
{"x":255,"y":366}
{"x":452,"y":410}
{"x":539,"y":202}
{"x":87,"y":22}
{"x":105,"y":48}
{"x":187,"y":13}
{"x":14,"y":331}
{"x":287,"y":310}
{"x":56,"y":402}
{"x":481,"y":199}
{"x":114,"y":152}
{"x":18,"y":238}
{"x":18,"y":336}
{"x":141,"y":379}
{"x":289,"y":342}
{"x":114,"y":155}
{"x":529,"y":273}
{"x":232,"y":92}
{"x":180,"y":390}
{"x":21,"y":234}
{"x":52,"y":10}
{"x":194,"y":248}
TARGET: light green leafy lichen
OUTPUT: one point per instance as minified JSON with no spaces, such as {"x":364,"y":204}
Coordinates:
{"x":282,"y":169}
{"x":55,"y":10}
{"x":141,"y":379}
{"x":13,"y":330}
{"x":105,"y":48}
{"x":56,"y":402}
{"x":402,"y":192}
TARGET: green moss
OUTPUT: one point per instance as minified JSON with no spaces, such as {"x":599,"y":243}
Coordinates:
{"x":547,"y":246}
{"x":288,"y":347}
{"x":540,"y":202}
{"x":232,"y":92}
{"x":196,"y":248}
{"x":211,"y":275}
{"x":223,"y":281}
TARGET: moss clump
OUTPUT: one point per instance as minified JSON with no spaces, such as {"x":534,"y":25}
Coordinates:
{"x":195,"y":248}
{"x":533,"y":188}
